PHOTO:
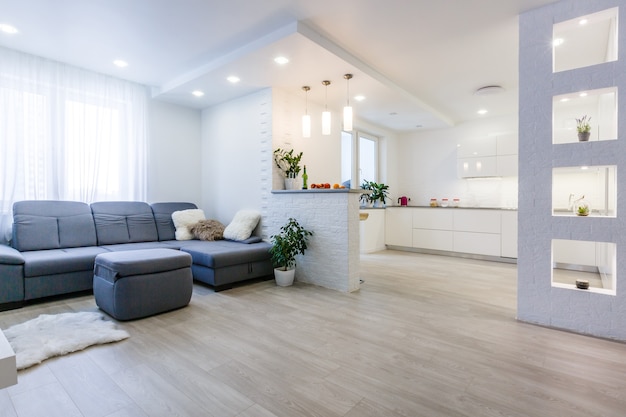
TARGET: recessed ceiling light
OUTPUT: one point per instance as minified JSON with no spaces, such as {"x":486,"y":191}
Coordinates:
{"x":197,"y":93}
{"x":482,"y":111}
{"x":583,"y":22}
{"x":359,"y":98}
{"x":281,"y":60}
{"x":558,"y":42}
{"x":564,"y":99}
{"x":6,"y":28}
{"x":233,"y":79}
{"x":582,"y":95}
{"x":120,"y":63}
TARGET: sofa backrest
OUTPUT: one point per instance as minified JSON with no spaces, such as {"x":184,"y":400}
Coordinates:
{"x":124,"y":222}
{"x":45,"y":224}
{"x":163,"y":217}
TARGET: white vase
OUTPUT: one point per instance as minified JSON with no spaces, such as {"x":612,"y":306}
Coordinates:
{"x":284,"y":278}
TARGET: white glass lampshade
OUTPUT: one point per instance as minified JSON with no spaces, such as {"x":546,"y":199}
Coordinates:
{"x":306,"y":126}
{"x":326,"y":122}
{"x":347,"y":118}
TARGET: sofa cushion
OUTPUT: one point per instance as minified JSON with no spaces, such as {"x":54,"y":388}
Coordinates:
{"x":43,"y":224}
{"x":59,"y":261}
{"x":139,"y":262}
{"x":124,"y":222}
{"x":163,"y":217}
{"x":221,"y":253}
{"x":184,"y":220}
{"x":242,"y":225}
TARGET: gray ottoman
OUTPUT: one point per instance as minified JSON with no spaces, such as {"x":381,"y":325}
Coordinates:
{"x":139,"y":283}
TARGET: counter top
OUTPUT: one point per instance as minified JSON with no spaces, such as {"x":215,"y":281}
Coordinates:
{"x":446,"y":208}
{"x":322,"y":190}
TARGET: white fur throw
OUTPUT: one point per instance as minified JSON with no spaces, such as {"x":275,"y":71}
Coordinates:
{"x":184,"y":220}
{"x":242,"y":225}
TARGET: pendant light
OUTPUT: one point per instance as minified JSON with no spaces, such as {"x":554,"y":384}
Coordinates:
{"x":347,"y":110}
{"x":306,"y":118}
{"x":326,"y":113}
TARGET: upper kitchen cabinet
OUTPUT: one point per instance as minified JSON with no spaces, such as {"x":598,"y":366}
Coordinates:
{"x":493,"y":156}
{"x":585,"y":41}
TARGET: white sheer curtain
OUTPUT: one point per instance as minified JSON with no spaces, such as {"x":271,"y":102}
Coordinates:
{"x":68,"y":133}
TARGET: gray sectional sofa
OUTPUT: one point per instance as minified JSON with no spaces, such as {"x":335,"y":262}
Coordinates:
{"x":55,"y":243}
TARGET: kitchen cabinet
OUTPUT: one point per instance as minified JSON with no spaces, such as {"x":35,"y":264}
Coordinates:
{"x":508,"y":244}
{"x":488,"y":232}
{"x":488,"y":157}
{"x":372,"y":231}
{"x":398,"y":229}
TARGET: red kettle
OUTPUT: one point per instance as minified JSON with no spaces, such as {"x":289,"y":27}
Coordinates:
{"x":404,"y":201}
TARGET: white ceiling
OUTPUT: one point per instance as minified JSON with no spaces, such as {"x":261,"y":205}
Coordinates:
{"x":419,"y":59}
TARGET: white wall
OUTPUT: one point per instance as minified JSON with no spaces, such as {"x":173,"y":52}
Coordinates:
{"x":425,"y":165}
{"x":231,"y":155}
{"x":173,"y":153}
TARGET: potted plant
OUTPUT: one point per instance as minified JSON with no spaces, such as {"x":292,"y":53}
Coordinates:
{"x":289,"y":242}
{"x":379,"y":194}
{"x":288,"y":164}
{"x":366,"y":197}
{"x":584,"y":128}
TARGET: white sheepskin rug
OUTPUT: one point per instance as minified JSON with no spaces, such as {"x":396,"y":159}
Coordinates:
{"x":52,"y":335}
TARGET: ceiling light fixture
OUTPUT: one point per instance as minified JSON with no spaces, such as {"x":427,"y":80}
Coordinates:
{"x":197,"y":93}
{"x":233,"y":79}
{"x":306,"y":118}
{"x":281,"y":60}
{"x":326,"y":113}
{"x":557,"y":42}
{"x":6,"y":28}
{"x":583,"y":22}
{"x":120,"y":63}
{"x":347,"y":110}
{"x":488,"y":90}
{"x":583,"y":94}
{"x":482,"y":111}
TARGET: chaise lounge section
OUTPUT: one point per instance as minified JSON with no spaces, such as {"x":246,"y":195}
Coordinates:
{"x":55,"y":244}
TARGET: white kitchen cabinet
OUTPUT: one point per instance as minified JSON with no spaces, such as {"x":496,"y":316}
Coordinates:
{"x":506,"y":165}
{"x":507,"y":144}
{"x":482,"y":166}
{"x":372,"y":231}
{"x":482,"y":221}
{"x":399,"y":226}
{"x":477,"y":146}
{"x":429,"y":218}
{"x":508,"y":237}
{"x":433,"y":239}
{"x":477,"y":243}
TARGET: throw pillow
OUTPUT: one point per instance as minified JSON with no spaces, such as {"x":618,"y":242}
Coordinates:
{"x":184,"y":219}
{"x":208,"y":230}
{"x":242,"y":225}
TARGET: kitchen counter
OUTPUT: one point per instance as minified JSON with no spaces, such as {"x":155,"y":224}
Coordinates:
{"x":462,"y":207}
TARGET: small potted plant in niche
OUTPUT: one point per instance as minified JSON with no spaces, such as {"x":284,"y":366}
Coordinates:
{"x":379,"y":194}
{"x":288,"y":164}
{"x":289,"y":242}
{"x":584,"y":128}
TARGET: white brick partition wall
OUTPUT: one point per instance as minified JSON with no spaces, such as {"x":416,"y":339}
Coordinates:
{"x":538,"y":300}
{"x":332,"y":259}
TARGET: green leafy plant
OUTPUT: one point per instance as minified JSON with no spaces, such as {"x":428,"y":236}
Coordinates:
{"x":582,"y":124}
{"x":379,"y":192}
{"x":289,"y":242}
{"x":287,"y":162}
{"x":583,"y":210}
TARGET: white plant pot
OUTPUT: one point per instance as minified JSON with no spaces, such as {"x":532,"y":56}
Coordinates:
{"x":284,"y":278}
{"x":292,"y":184}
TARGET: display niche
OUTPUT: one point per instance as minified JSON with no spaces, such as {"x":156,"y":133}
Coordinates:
{"x":593,"y":187}
{"x":585,"y":41}
{"x":600,"y":108}
{"x":577,"y":264}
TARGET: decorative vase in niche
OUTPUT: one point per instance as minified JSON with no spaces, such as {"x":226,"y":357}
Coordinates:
{"x":292,"y":182}
{"x":583,"y":136}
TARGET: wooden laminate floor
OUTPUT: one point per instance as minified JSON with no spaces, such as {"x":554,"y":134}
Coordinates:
{"x":425,"y":336}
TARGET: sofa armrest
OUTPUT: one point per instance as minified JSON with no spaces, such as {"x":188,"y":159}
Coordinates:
{"x":10,"y":256}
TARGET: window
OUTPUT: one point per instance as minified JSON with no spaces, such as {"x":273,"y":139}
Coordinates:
{"x":360,"y":150}
{"x":68,"y":133}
